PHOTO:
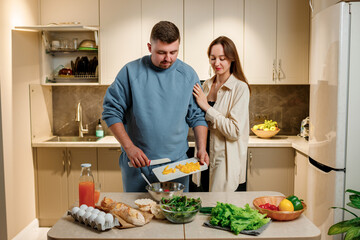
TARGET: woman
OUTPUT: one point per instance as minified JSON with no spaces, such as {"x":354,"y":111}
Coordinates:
{"x":225,"y":100}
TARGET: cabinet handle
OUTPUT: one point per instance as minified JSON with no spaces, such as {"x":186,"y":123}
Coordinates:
{"x":279,"y":70}
{"x":69,"y":161}
{"x":250,"y":161}
{"x":115,"y":149}
{"x":311,"y":6}
{"x":63,"y":161}
{"x":274,"y":71}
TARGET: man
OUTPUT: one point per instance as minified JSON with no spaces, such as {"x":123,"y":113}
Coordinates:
{"x":149,"y":108}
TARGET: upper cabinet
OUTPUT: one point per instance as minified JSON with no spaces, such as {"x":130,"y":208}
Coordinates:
{"x":276,"y":41}
{"x":199,"y":32}
{"x":121,"y":33}
{"x":125,"y":30}
{"x":205,"y":20}
{"x":69,"y":49}
{"x":84,"y":12}
{"x":319,"y":5}
{"x":155,"y":11}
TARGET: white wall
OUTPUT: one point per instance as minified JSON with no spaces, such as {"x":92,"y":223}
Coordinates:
{"x":19,"y":66}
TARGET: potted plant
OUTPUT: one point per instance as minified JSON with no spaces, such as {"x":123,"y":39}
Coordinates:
{"x":350,"y":227}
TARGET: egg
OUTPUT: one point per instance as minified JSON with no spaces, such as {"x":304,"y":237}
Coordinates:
{"x":80,"y":214}
{"x":86,"y":216}
{"x":89,"y":209}
{"x":100,"y":220}
{"x":83,"y":207}
{"x":74,"y":210}
{"x":95,"y":211}
{"x":101,"y":214}
{"x":92,"y":218}
{"x":109,"y":218}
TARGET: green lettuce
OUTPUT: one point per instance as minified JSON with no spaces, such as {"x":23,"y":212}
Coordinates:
{"x":237,"y":218}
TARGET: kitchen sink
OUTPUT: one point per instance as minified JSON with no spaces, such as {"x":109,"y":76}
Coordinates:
{"x":74,"y":139}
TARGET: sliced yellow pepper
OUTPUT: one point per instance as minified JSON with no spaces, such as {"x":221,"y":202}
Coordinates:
{"x":189,"y":167}
{"x":167,"y":171}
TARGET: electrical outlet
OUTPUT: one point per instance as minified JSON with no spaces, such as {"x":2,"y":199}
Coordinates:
{"x":261,"y":117}
{"x":265,"y":116}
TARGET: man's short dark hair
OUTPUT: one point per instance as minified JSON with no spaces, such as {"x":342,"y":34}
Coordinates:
{"x":165,"y":31}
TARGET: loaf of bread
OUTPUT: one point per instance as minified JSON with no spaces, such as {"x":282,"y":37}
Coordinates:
{"x":129,"y":214}
{"x":145,"y":204}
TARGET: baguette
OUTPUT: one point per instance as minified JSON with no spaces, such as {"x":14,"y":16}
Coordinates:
{"x":129,"y":214}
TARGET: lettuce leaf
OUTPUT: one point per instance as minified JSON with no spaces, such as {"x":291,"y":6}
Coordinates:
{"x":237,"y":218}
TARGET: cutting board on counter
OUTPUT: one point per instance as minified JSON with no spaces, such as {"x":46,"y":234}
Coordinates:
{"x":177,"y":174}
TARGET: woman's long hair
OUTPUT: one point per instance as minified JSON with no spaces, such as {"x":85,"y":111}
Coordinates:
{"x":230,"y":53}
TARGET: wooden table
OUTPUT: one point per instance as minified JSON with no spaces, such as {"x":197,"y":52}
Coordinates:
{"x":300,"y":229}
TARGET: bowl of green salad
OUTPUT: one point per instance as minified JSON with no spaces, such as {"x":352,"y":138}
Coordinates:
{"x":180,"y":209}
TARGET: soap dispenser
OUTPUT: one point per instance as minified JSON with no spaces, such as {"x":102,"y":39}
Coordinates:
{"x":99,"y":130}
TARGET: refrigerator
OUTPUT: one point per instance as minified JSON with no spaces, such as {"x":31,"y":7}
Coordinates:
{"x":334,"y":129}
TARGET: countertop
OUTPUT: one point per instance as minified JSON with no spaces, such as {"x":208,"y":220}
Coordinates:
{"x":295,"y":142}
{"x":301,"y":228}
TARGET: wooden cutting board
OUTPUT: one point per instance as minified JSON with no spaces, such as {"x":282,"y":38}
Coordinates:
{"x":177,"y":174}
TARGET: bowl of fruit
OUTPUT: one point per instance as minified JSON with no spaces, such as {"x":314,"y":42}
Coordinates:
{"x":267,"y":129}
{"x":279,"y":207}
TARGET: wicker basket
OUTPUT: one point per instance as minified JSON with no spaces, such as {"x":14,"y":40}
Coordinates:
{"x":265,"y":134}
{"x":277,"y":215}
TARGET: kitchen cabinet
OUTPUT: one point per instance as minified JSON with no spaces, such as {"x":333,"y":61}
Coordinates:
{"x":58,"y":171}
{"x":85,"y":12}
{"x":198,"y":34}
{"x":58,"y":50}
{"x":276,"y":41}
{"x":319,"y":5}
{"x":55,"y":59}
{"x":109,"y":171}
{"x":120,"y":23}
{"x":270,"y":169}
{"x":171,"y":10}
{"x":125,"y":30}
{"x":204,"y":21}
{"x":300,"y":175}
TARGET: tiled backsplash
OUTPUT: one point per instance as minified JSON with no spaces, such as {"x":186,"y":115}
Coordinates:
{"x":286,"y":104}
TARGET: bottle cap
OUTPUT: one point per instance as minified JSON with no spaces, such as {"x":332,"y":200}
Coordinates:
{"x":99,"y":122}
{"x":86,"y":165}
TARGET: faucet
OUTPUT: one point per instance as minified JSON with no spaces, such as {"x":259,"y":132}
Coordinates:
{"x":78,"y":119}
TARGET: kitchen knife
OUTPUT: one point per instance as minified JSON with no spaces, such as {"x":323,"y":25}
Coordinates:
{"x":155,"y":162}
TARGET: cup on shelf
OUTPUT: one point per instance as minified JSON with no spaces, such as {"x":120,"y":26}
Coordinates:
{"x":55,"y":44}
{"x":65,"y":44}
{"x":75,"y":43}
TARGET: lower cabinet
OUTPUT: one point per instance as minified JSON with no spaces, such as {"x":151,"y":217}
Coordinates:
{"x":57,"y":177}
{"x":51,"y":184}
{"x":270,"y":169}
{"x":109,"y":170}
{"x":301,"y":176}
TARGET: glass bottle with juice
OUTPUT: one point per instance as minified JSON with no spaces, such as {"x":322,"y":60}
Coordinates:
{"x":86,"y":186}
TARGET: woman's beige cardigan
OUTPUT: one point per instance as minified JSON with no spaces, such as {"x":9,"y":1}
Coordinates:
{"x":228,"y":123}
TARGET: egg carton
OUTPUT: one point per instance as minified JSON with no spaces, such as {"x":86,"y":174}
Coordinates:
{"x":93,"y":217}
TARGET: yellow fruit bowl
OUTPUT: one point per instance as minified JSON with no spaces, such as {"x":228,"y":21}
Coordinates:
{"x":276,"y":215}
{"x":265,"y":134}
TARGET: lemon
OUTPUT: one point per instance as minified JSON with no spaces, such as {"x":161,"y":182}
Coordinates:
{"x":286,"y":205}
